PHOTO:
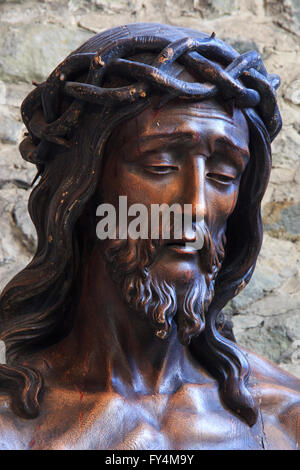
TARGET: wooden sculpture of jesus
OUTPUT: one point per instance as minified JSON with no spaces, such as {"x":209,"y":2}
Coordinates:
{"x":120,"y":342}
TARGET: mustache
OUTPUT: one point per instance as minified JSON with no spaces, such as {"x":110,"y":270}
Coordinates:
{"x":127,"y":256}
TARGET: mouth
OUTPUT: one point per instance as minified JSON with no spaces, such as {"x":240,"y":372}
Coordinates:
{"x":181,"y":247}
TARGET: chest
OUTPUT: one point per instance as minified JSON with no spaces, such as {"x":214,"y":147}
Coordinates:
{"x":191,"y":419}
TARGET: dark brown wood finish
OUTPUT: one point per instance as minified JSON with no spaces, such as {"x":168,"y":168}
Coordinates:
{"x":122,"y":344}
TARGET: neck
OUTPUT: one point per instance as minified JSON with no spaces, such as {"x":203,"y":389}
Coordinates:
{"x":116,"y":349}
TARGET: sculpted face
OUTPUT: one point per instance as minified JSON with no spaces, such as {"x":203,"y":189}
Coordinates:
{"x":184,"y":153}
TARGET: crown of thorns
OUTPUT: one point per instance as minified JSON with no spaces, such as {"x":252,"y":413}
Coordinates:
{"x":240,"y":77}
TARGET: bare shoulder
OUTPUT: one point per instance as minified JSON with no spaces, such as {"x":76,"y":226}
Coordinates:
{"x":268,"y":371}
{"x":278,"y":395}
{"x":14,"y":431}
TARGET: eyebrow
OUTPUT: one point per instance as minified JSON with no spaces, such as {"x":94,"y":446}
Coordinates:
{"x":176,"y":136}
{"x":233,"y":146}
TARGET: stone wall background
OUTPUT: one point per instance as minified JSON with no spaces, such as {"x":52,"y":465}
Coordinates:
{"x":36,"y":35}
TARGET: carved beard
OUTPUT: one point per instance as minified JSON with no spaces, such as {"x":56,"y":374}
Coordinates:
{"x":129,"y":263}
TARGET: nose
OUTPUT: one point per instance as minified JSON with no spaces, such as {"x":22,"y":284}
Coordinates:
{"x":194,"y":199}
{"x":194,"y":189}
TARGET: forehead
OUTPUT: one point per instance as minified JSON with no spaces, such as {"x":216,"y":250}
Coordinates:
{"x":200,"y":120}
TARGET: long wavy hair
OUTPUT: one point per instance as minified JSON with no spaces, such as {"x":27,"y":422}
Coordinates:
{"x":69,"y":119}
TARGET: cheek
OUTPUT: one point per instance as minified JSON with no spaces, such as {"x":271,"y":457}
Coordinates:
{"x":220,"y":206}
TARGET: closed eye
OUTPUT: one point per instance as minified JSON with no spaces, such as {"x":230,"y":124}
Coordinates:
{"x":221,"y":178}
{"x":161,"y":169}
